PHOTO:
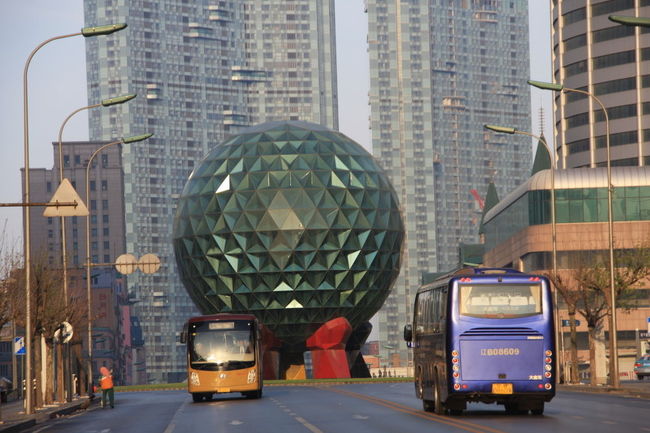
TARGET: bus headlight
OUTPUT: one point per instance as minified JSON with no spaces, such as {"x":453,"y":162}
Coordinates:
{"x":194,"y":379}
{"x":252,"y":375}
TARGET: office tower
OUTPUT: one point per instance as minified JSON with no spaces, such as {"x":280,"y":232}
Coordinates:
{"x":106,"y":205}
{"x":609,"y":60}
{"x":202,"y":70}
{"x":439,"y":70}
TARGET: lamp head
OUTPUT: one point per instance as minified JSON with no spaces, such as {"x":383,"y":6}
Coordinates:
{"x":102,"y":30}
{"x":546,"y":86}
{"x":136,"y":138}
{"x":118,"y":100}
{"x":630,"y":21}
{"x":503,"y":129}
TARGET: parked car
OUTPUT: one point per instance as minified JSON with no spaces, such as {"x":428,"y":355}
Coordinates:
{"x":642,"y":367}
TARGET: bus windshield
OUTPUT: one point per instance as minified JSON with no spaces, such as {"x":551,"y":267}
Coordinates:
{"x":221,"y":345}
{"x":499,"y":301}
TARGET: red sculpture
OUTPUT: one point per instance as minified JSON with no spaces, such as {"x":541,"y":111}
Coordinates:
{"x":327,"y":346}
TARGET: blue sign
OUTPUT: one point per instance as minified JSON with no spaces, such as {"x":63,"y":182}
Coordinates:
{"x":566,"y":323}
{"x":19,"y":345}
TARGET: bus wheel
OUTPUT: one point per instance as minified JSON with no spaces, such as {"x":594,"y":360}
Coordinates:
{"x":512,"y":408}
{"x":538,"y":409}
{"x":253,"y":394}
{"x":196,"y":397}
{"x":427,"y":405}
{"x":438,"y":407}
{"x":419,"y":385}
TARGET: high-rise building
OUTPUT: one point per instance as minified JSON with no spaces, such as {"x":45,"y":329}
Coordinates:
{"x":439,"y":70}
{"x":610,"y":61}
{"x":203,"y":70}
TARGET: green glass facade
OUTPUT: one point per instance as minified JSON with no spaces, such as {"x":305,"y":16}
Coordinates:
{"x":573,"y":205}
{"x":292,"y":222}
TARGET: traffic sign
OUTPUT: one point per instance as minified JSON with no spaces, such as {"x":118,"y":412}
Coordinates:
{"x":567,"y":322}
{"x":149,"y":263}
{"x":19,"y":345}
{"x":65,"y":193}
{"x":126,"y":264}
{"x":64,"y":332}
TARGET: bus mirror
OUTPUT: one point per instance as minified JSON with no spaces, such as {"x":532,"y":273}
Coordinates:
{"x":408,"y":332}
{"x":183,"y":337}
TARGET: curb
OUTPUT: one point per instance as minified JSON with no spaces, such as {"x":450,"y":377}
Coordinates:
{"x":17,"y":426}
{"x":623,"y":392}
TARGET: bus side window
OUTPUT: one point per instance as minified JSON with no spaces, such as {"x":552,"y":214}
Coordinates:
{"x":435,"y":311}
{"x":418,"y":315}
{"x":443,"y":310}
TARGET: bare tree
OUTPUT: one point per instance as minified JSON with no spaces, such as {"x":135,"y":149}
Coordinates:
{"x":10,"y":259}
{"x":48,"y":310}
{"x":592,"y":276}
{"x":566,"y":286}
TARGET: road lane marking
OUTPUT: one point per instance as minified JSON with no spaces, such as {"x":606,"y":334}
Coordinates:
{"x":172,"y":424}
{"x":461,"y":424}
{"x":310,"y":426}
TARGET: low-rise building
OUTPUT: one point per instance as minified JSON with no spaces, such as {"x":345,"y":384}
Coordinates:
{"x":518,"y":234}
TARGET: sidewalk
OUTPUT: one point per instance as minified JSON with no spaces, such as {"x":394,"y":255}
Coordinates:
{"x":627,"y":389}
{"x":14,"y":419}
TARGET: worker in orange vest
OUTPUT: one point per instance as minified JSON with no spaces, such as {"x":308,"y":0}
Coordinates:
{"x":106,"y":383}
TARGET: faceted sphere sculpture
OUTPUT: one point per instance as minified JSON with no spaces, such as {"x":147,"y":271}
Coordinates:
{"x":292,"y":222}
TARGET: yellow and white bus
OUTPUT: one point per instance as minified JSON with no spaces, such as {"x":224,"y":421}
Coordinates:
{"x":223,"y":355}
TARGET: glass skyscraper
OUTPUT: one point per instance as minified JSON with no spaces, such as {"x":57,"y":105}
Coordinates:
{"x":439,"y":70}
{"x":202,"y":70}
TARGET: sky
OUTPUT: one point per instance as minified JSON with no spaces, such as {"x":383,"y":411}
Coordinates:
{"x":57,"y":85}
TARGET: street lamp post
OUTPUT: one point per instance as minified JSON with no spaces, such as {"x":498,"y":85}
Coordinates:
{"x":128,"y":140}
{"x":613,"y":343}
{"x":86,"y":32}
{"x":64,"y":255}
{"x":551,"y":154}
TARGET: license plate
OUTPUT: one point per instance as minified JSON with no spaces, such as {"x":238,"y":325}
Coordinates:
{"x":502,"y":388}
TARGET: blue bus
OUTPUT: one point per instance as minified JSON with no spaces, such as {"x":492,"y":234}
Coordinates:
{"x":484,"y":335}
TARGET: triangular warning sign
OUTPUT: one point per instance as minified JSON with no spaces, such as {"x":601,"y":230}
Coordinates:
{"x":65,"y":193}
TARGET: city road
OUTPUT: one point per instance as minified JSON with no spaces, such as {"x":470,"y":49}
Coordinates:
{"x":360,"y":408}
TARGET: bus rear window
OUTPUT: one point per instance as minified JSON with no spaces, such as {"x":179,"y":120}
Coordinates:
{"x":500,"y":301}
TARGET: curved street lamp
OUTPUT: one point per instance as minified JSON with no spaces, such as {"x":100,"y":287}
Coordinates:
{"x":509,"y":130}
{"x":64,"y":254}
{"x":613,"y":350}
{"x":127,"y":140}
{"x":86,"y":32}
